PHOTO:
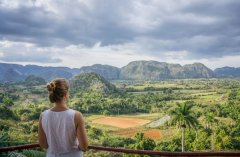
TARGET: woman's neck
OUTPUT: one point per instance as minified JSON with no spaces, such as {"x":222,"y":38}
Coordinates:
{"x":60,"y":106}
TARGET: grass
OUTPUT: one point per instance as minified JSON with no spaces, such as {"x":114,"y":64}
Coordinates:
{"x":151,"y":116}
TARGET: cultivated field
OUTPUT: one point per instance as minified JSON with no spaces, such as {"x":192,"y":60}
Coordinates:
{"x":128,"y":125}
{"x":151,"y":133}
{"x":121,"y":122}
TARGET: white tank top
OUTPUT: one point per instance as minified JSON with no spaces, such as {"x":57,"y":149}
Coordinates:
{"x":60,"y":131}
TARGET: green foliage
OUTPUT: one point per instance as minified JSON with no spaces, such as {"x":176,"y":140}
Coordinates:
{"x":111,"y":141}
{"x":32,"y":80}
{"x":6,"y":113}
{"x":7,"y":101}
{"x":201,"y":141}
{"x":31,"y":112}
{"x":169,"y":145}
{"x":141,"y":143}
{"x":95,"y":133}
{"x":5,"y":141}
{"x":33,"y":153}
{"x":3,"y":137}
{"x":27,"y":153}
{"x":209,"y":119}
{"x":16,"y":154}
{"x":182,"y":116}
{"x":206,"y":100}
{"x":4,"y":126}
{"x":91,"y":82}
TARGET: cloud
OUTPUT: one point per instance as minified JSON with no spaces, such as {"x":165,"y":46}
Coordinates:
{"x":166,"y":30}
{"x":25,"y":52}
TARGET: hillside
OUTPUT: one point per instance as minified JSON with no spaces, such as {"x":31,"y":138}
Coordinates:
{"x":32,"y":80}
{"x":153,"y":70}
{"x":136,"y":70}
{"x":15,"y":72}
{"x":107,"y":71}
{"x":91,"y":82}
{"x":12,"y":75}
{"x":227,"y":72}
{"x":197,"y":70}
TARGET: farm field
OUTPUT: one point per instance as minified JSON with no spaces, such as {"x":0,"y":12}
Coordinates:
{"x":128,"y":127}
{"x":121,"y":122}
{"x":154,"y":134}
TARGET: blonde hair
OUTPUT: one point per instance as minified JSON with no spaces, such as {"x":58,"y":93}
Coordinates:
{"x":57,"y":89}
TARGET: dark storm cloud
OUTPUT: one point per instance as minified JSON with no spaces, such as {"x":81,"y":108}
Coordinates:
{"x":34,"y":24}
{"x":27,"y":25}
{"x":205,"y":29}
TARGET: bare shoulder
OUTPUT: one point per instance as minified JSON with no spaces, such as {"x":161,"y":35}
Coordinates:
{"x":40,"y":116}
{"x":78,"y":116}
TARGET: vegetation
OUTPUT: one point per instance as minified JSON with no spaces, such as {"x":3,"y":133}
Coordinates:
{"x":183,"y":117}
{"x":213,"y":103}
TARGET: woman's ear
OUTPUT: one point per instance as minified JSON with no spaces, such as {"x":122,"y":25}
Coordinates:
{"x":66,"y":96}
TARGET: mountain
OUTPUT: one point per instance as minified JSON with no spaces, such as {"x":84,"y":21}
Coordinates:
{"x":10,"y":72}
{"x":153,"y":70}
{"x":197,"y":70}
{"x":136,"y":70}
{"x":107,"y":71}
{"x":51,"y":74}
{"x":227,"y":72}
{"x":144,"y":70}
{"x":12,"y":75}
{"x":15,"y":72}
{"x":32,"y":80}
{"x":91,"y":82}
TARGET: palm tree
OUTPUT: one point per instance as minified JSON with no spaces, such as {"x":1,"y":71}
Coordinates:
{"x":210,"y":120}
{"x":182,"y":116}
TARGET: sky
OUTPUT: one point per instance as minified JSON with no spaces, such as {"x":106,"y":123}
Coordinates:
{"x":115,"y":32}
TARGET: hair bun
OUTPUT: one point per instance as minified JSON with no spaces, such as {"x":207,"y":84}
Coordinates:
{"x":51,"y":86}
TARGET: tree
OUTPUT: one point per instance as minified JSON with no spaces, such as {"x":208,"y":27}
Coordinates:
{"x":202,"y":141}
{"x":182,"y":116}
{"x":209,"y":120}
{"x":142,"y":144}
{"x":7,"y":101}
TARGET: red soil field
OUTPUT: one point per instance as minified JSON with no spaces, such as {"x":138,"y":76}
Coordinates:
{"x":154,"y":134}
{"x":121,"y":122}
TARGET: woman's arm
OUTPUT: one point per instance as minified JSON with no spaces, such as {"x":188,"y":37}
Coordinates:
{"x":81,"y":132}
{"x":41,"y":135}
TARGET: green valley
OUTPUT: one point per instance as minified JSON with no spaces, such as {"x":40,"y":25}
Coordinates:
{"x":131,"y":114}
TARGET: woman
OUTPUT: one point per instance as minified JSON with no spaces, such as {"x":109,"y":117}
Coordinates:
{"x":61,"y":130}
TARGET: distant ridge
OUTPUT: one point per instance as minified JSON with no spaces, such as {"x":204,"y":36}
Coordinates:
{"x":15,"y":72}
{"x":153,"y":70}
{"x":107,"y":71}
{"x":227,"y":72}
{"x":136,"y":70}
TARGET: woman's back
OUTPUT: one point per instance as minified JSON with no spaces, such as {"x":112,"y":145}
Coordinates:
{"x":60,"y":131}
